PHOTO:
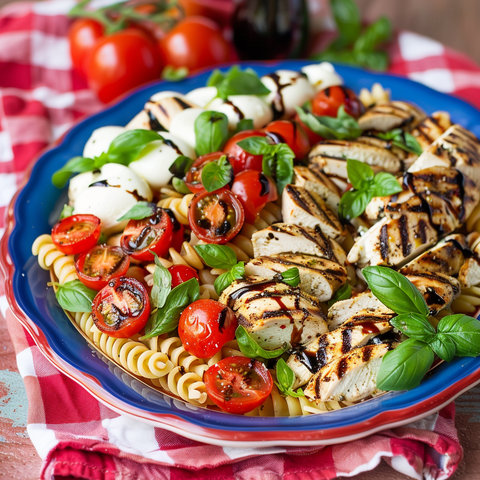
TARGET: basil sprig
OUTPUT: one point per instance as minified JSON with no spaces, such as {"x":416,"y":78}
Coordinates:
{"x":286,"y":379}
{"x":277,"y":159}
{"x":342,"y":293}
{"x":180,"y":186}
{"x":180,"y":166}
{"x":67,"y":211}
{"x":123,"y":150}
{"x":74,"y":296}
{"x":162,"y":284}
{"x":211,"y":132}
{"x":401,"y":139}
{"x":291,"y":277}
{"x":217,"y":174}
{"x":250,"y":348}
{"x":237,"y":272}
{"x":343,"y":127}
{"x":404,"y":367}
{"x":366,"y":186}
{"x":237,"y":82}
{"x":244,"y":124}
{"x":139,"y":211}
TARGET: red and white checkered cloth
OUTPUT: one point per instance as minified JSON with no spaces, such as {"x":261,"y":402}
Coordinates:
{"x":41,"y":97}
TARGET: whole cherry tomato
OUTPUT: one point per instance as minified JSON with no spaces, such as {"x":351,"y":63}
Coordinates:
{"x":326,"y":102}
{"x":291,"y":133}
{"x":182,"y":273}
{"x":83,"y":35}
{"x":120,"y":62}
{"x":193,"y":179}
{"x":313,"y":137}
{"x":255,"y":190}
{"x":76,"y":234}
{"x":238,"y":384}
{"x":195,"y":43}
{"x":205,"y":326}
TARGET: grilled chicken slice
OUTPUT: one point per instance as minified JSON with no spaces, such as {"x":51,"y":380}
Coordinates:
{"x":275,"y":313}
{"x":307,"y":209}
{"x":357,"y":333}
{"x":318,"y":277}
{"x":406,"y":158}
{"x":430,"y":128}
{"x":350,"y":378}
{"x":469,"y":275}
{"x":387,"y":116}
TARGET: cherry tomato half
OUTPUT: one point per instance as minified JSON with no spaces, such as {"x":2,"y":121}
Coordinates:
{"x":182,"y":273}
{"x":327,"y":101}
{"x":100,"y":264}
{"x":195,"y":43}
{"x":76,"y":234}
{"x":255,"y":190}
{"x":205,"y":326}
{"x":291,"y":133}
{"x":238,"y":384}
{"x":193,"y":179}
{"x":153,"y":233}
{"x":121,"y":309}
{"x":216,"y":217}
{"x":83,"y":35}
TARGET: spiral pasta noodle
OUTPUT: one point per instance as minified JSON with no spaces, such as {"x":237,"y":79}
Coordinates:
{"x":178,"y":205}
{"x":376,"y":95}
{"x":473,"y":221}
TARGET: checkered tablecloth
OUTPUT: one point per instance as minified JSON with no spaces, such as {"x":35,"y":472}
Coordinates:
{"x":76,"y":436}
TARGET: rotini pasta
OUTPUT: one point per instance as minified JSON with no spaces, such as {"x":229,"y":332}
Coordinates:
{"x":473,"y":221}
{"x":178,"y":205}
{"x":376,"y":95}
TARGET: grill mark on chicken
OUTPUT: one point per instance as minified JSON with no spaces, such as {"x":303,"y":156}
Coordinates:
{"x":346,"y":340}
{"x":342,"y":368}
{"x":366,"y":354}
{"x":422,"y":230}
{"x":384,"y":242}
{"x":182,"y":104}
{"x":406,"y":246}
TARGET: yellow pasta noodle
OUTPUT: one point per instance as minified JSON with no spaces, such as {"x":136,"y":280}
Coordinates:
{"x":178,"y":205}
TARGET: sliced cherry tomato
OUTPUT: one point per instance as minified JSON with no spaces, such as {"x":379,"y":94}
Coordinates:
{"x":327,"y":101}
{"x":182,"y":273}
{"x":243,"y":160}
{"x":153,"y":233}
{"x":193,"y":179}
{"x":205,"y":326}
{"x":291,"y":133}
{"x":121,"y":309}
{"x":122,"y":61}
{"x":100,"y":264}
{"x":313,"y":137}
{"x":76,"y":234}
{"x":216,"y":217}
{"x":255,"y":190}
{"x":194,"y":43}
{"x":238,"y":384}
{"x":83,"y":35}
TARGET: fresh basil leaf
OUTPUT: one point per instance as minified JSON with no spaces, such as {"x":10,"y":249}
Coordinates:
{"x":385,"y":184}
{"x":74,"y":165}
{"x":353,"y":203}
{"x":165,"y":319}
{"x":360,"y":174}
{"x":405,"y":367}
{"x":464,"y":331}
{"x":180,"y":186}
{"x":244,"y":124}
{"x":162,"y":284}
{"x":74,"y":296}
{"x":67,"y":211}
{"x":443,"y":346}
{"x":347,"y":17}
{"x":414,"y":325}
{"x":211,"y":132}
{"x":238,"y":82}
{"x":257,"y":145}
{"x":215,"y":78}
{"x":139,"y":211}
{"x":217,"y":256}
{"x":401,"y":139}
{"x":371,"y":60}
{"x":376,"y":33}
{"x":342,"y":293}
{"x":394,"y":290}
{"x":217,"y":174}
{"x":279,"y":166}
{"x":237,"y":272}
{"x":172,"y":74}
{"x":180,"y":166}
{"x":411,"y":144}
{"x":252,"y":349}
{"x":286,"y":379}
{"x":291,"y":277}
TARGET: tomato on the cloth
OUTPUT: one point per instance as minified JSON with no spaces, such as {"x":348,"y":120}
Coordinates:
{"x":82,"y":36}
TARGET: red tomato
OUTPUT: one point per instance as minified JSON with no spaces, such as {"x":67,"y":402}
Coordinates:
{"x":182,"y":273}
{"x":243,"y":160}
{"x":76,"y":234}
{"x":121,"y":309}
{"x":216,"y":217}
{"x":120,"y":62}
{"x":291,"y":133}
{"x":238,"y":384}
{"x":100,"y":264}
{"x":153,"y":233}
{"x":327,"y":101}
{"x":195,"y":43}
{"x":83,"y":35}
{"x":193,"y":178}
{"x":255,"y":190}
{"x":313,"y":137}
{"x":205,"y":326}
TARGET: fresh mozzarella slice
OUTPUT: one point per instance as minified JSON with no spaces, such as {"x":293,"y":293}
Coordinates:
{"x":288,"y":89}
{"x":238,"y":107}
{"x":166,"y":94}
{"x":183,"y":125}
{"x":202,"y":96}
{"x":113,"y":192}
{"x":78,"y":184}
{"x":100,"y":140}
{"x":322,"y":75}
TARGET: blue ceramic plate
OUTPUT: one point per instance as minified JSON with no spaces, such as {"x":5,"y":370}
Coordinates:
{"x":36,"y":208}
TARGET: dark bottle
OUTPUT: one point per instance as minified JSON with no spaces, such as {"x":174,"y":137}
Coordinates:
{"x":270,"y":29}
